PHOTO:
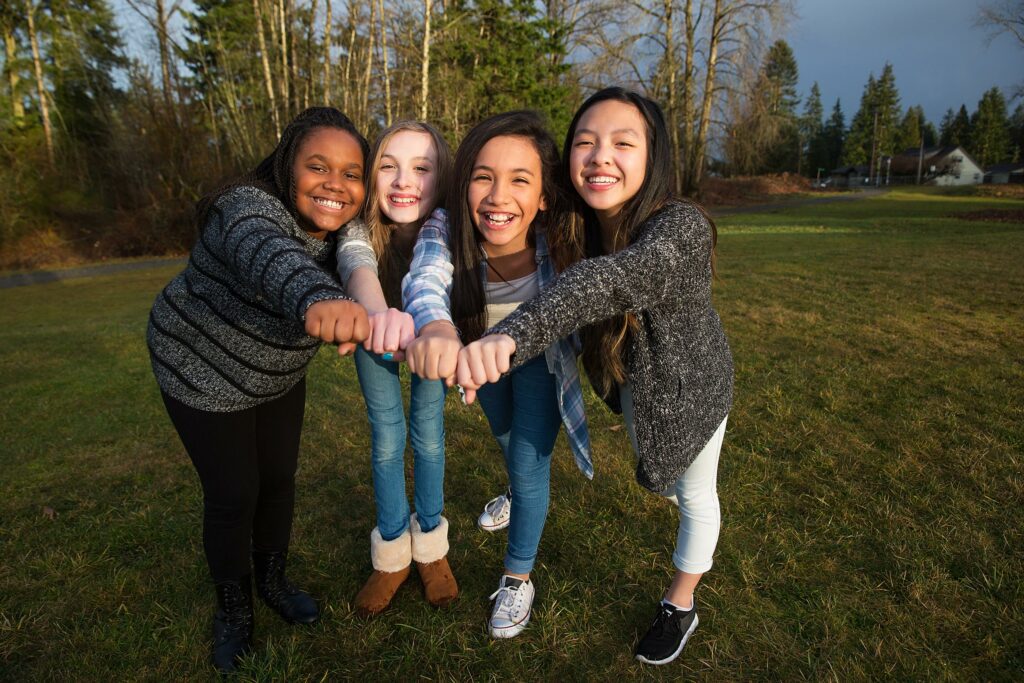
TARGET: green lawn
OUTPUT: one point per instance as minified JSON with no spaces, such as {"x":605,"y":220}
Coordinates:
{"x":871,"y":485}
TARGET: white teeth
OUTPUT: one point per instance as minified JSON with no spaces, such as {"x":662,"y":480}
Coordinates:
{"x":329,"y":203}
{"x":499,"y":218}
{"x":602,"y":180}
{"x":402,"y":200}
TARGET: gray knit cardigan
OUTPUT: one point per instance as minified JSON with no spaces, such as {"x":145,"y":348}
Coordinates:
{"x":228,"y":333}
{"x":679,"y":364}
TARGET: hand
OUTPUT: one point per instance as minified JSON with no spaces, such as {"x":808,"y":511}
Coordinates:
{"x":390,"y":331}
{"x":483,"y":361}
{"x":338,"y":321}
{"x":435,"y":353}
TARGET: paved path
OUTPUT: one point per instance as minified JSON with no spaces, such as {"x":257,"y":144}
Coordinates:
{"x":36,"y":277}
{"x":41,"y":276}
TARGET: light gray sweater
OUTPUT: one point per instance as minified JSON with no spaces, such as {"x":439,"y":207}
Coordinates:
{"x":228,"y":333}
{"x":679,"y":363}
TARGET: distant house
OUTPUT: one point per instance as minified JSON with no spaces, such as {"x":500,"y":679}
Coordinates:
{"x":950,"y":165}
{"x":1000,"y":174}
{"x":849,"y":176}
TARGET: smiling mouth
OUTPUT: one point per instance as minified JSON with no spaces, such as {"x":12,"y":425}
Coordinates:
{"x":602,"y":180}
{"x":402,"y":200}
{"x":498,"y":219}
{"x":332,"y":204}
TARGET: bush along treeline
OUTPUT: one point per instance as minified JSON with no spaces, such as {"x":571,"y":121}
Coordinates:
{"x":772,"y":133}
{"x":104,"y":149}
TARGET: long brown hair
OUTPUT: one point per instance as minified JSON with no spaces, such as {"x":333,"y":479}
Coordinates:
{"x":605,"y":342}
{"x":275,"y":174}
{"x":392,"y":266}
{"x":468,"y":299}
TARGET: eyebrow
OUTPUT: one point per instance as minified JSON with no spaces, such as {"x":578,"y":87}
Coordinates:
{"x":614,"y":132}
{"x":514,"y":170}
{"x":321,"y":157}
{"x":392,"y":156}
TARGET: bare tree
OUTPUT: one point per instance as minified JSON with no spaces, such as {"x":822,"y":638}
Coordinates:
{"x":1004,"y":16}
{"x":37,"y":62}
{"x":265,"y":58}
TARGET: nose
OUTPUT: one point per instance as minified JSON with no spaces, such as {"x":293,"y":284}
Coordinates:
{"x":498,"y":194}
{"x":401,"y":179}
{"x":334,"y":182}
{"x":600,"y":154}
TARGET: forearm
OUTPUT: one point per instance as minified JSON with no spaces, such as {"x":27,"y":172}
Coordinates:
{"x":364,"y":287}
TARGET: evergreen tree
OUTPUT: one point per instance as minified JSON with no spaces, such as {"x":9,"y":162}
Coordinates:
{"x":956,"y":130}
{"x":912,"y":129}
{"x":1016,"y":126}
{"x":990,"y":133}
{"x":812,"y":129}
{"x":833,"y":137}
{"x":875,"y":126}
{"x":779,"y":81}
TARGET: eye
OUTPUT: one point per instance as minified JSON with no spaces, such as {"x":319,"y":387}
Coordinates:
{"x":317,"y":168}
{"x":387,"y":167}
{"x":521,"y":180}
{"x":481,"y":177}
{"x":624,"y":143}
{"x":583,"y":143}
{"x":353,"y":176}
{"x":422,"y":169}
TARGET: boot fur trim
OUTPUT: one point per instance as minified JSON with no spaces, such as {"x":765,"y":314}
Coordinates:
{"x":428,"y":546}
{"x":390,"y":556}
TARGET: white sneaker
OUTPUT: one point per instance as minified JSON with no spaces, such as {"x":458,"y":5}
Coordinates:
{"x":496,"y":513}
{"x":512,"y":603}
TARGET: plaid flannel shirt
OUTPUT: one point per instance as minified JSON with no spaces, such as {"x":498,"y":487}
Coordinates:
{"x":426,"y":297}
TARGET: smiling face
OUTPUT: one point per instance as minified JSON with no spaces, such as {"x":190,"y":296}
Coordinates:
{"x":505,"y":193}
{"x":406,"y":177}
{"x":328,"y":176}
{"x":608,"y":161}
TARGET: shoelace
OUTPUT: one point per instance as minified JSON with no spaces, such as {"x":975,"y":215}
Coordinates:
{"x":495,"y":505}
{"x":509,"y":597}
{"x":662,"y":619}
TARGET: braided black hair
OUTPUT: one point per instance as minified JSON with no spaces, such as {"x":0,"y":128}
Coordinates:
{"x":274,"y":174}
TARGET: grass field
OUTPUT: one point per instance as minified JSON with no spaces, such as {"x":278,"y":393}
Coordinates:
{"x":872,"y":483}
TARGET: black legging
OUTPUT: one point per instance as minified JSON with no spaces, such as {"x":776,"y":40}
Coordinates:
{"x":246,"y":462}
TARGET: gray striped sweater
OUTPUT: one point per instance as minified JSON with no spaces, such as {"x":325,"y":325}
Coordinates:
{"x":228,"y":332}
{"x":679,"y":364}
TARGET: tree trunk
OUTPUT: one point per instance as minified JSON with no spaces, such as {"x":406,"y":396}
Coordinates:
{"x":267,"y":79}
{"x":165,"y":57}
{"x":689,"y":94}
{"x":327,"y":55}
{"x":425,"y":62}
{"x":346,"y":86}
{"x":13,"y":79}
{"x":673,"y":111}
{"x":718,"y":21}
{"x":365,"y":108}
{"x":44,"y":108}
{"x":282,"y":32}
{"x":384,"y":61}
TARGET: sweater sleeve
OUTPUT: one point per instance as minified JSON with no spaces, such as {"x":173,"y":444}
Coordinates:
{"x":426,"y":288}
{"x":669,"y":259}
{"x":250,"y":238}
{"x":354,"y":250}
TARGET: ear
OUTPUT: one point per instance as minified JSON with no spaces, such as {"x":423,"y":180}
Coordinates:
{"x":543,"y":206}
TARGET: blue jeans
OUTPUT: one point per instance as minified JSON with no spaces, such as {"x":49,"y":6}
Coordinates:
{"x":382,"y":392}
{"x":522,"y":409}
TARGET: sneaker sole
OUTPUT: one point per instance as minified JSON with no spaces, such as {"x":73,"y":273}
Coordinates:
{"x":510,"y":631}
{"x":672,"y":657}
{"x":496,"y":527}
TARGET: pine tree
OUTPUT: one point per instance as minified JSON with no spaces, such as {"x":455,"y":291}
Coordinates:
{"x":912,"y":129}
{"x":956,"y":130}
{"x":1016,"y":126}
{"x":833,"y":137}
{"x":873,"y":131}
{"x":990,"y":134}
{"x":812,"y":132}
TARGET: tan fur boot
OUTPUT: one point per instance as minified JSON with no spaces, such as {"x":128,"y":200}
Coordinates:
{"x":430,"y":552}
{"x":391,"y":560}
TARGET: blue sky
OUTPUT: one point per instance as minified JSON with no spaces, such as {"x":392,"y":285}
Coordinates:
{"x":940,"y":59}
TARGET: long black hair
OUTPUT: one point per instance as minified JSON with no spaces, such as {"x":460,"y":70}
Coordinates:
{"x":275,"y":173}
{"x":604,"y":342}
{"x":468,"y":299}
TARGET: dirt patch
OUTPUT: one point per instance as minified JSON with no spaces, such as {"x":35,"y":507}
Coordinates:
{"x":992,"y":215}
{"x":1001,"y":191}
{"x":752,"y":189}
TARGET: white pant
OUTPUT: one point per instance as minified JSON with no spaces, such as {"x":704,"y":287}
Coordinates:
{"x":696,"y":494}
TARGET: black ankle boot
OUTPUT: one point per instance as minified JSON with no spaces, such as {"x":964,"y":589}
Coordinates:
{"x":232,"y":625}
{"x":294,"y":606}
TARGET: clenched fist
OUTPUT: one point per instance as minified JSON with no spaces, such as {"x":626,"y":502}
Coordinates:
{"x":338,"y":321}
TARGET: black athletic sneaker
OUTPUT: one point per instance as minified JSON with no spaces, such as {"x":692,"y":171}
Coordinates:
{"x":668,"y":634}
